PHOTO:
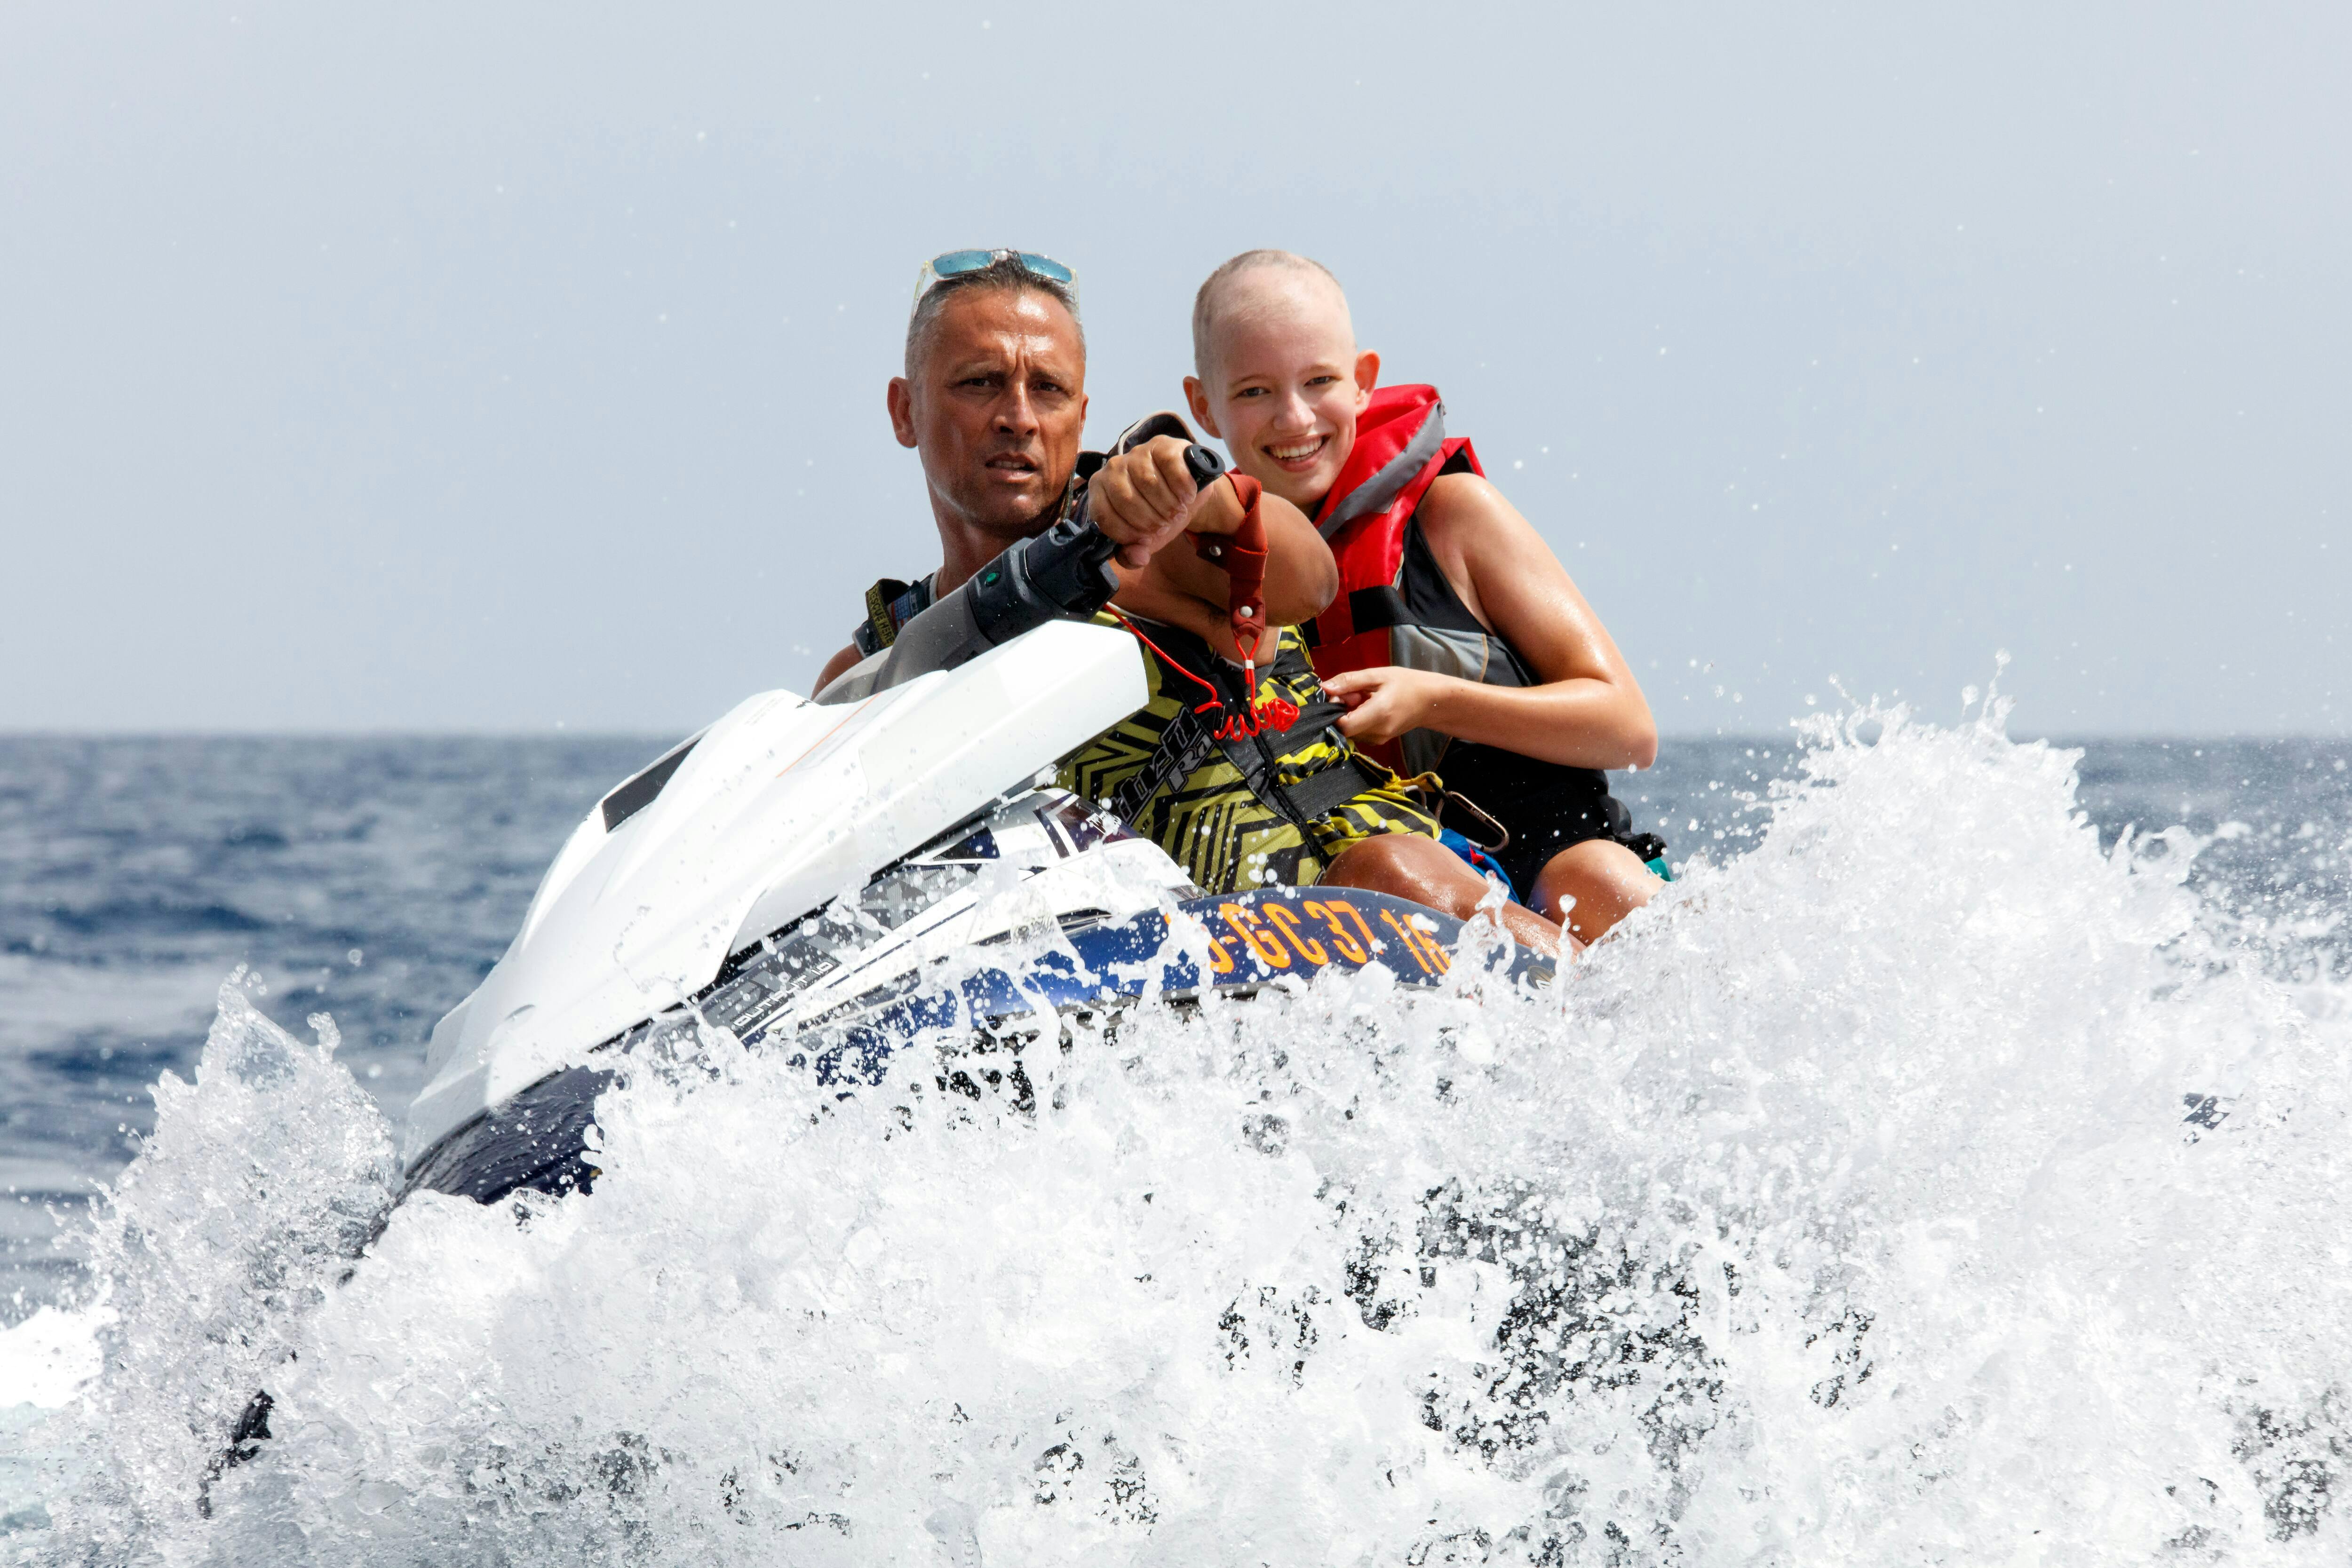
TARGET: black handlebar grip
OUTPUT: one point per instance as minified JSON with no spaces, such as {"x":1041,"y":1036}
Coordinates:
{"x":1205,"y":465}
{"x":1095,"y":547}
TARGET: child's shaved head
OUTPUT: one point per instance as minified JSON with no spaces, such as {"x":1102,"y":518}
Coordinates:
{"x":1252,"y":284}
{"x":1278,"y":377}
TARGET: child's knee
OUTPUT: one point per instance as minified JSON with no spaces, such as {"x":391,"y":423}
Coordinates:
{"x":1605,"y":880}
{"x":1410,"y":865}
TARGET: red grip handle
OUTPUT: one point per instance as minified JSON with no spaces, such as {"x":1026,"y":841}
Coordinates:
{"x":1241,"y":555}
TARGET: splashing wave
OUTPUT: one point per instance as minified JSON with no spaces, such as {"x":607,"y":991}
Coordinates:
{"x":1926,"y":1184}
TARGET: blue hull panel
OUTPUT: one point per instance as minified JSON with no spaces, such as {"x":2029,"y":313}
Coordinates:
{"x":537,"y":1139}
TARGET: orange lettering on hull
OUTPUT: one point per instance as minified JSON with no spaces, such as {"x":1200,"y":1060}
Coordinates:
{"x":1263,"y":943}
{"x":1419,"y":942}
{"x":1279,"y":917}
{"x":1347,"y":947}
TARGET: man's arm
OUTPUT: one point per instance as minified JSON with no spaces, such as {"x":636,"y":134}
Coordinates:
{"x":1144,"y":501}
{"x":1588,"y":711}
{"x":847,"y":659}
{"x":1146,"y":496}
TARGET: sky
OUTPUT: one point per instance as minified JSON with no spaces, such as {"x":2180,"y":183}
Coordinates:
{"x":502,"y":368}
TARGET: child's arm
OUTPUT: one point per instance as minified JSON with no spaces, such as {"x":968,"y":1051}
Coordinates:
{"x":1588,"y":711}
{"x":1148,"y":494}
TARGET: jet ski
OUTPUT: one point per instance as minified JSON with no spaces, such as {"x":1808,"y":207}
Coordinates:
{"x":885,"y":866}
{"x":834,"y":878}
{"x":831,"y":880}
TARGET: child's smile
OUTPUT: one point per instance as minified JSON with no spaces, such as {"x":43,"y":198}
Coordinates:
{"x":1298,"y":456}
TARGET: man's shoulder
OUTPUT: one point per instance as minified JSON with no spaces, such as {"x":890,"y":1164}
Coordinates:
{"x":889,"y":605}
{"x":840,"y":664}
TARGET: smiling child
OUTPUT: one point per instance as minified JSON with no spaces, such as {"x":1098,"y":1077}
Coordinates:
{"x":1457,"y":640}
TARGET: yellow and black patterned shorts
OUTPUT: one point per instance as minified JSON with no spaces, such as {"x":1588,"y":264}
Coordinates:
{"x":1211,"y":822}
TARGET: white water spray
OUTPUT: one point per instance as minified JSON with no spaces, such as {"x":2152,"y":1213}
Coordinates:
{"x":1921,"y":1185}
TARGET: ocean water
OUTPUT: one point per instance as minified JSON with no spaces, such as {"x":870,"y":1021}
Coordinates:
{"x":377,"y":880}
{"x":1947,"y":1168}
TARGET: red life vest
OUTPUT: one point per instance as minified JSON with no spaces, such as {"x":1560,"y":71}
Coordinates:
{"x":1400,"y":448}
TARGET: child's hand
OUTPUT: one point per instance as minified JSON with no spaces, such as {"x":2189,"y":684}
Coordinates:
{"x":1142,"y":499}
{"x":1385,"y":703}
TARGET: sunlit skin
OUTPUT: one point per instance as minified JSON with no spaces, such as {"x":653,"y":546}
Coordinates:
{"x":994,"y":410}
{"x":1414,"y":866}
{"x":1289,"y":383}
{"x":1285,"y":385}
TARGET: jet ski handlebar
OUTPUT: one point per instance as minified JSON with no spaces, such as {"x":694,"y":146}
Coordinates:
{"x":1062,"y":574}
{"x":1067,"y":566}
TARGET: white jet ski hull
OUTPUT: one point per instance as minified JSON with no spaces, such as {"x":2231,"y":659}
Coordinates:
{"x":777,"y":807}
{"x":833,"y":881}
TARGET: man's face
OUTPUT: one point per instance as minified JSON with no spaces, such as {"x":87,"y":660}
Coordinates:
{"x":995,"y":407}
{"x":1287,"y":383}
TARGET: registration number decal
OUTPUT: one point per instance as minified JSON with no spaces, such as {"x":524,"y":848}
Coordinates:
{"x":1302,"y":934}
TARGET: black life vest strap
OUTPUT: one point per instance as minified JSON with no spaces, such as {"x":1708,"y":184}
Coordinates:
{"x":889,"y":605}
{"x":1298,"y":804}
{"x":1318,"y":794}
{"x":1369,"y":609}
{"x":1377,"y":609}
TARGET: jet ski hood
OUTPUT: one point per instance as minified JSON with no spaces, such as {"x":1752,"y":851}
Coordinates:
{"x":766,"y":815}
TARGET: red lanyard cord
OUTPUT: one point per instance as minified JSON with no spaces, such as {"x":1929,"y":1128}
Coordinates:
{"x":1241,"y":554}
{"x":1216,"y":698}
{"x":1242,"y":557}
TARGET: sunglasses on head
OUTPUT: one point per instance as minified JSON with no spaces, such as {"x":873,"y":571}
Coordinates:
{"x":957,"y":263}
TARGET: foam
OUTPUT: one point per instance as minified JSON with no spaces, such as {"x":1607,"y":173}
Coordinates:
{"x":1926,"y":1184}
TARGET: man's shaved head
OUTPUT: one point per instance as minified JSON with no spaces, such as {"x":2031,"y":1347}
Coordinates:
{"x":995,"y":409}
{"x":1005,"y":275}
{"x":1240,"y":288}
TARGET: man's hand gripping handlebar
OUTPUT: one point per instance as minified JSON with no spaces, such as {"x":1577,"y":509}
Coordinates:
{"x":1146,"y":505}
{"x":1062,"y":574}
{"x":1241,"y":556}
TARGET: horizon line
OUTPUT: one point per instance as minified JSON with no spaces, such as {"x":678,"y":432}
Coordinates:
{"x":1665,"y":736}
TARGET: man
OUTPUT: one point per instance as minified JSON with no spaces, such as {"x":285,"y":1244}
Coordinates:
{"x":994,"y":401}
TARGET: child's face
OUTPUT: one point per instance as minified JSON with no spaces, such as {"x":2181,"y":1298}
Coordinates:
{"x":1288,"y":385}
